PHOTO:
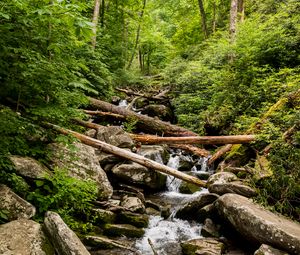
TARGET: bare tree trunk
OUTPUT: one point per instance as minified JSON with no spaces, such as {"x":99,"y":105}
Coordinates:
{"x":102,"y":13}
{"x":108,"y":148}
{"x":137,"y":35}
{"x":233,"y":19}
{"x":203,"y":19}
{"x":214,"y":17}
{"x":95,"y":22}
{"x":241,"y":10}
{"x":144,"y":122}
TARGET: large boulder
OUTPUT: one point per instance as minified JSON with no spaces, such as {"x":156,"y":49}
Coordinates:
{"x":137,"y":174}
{"x":115,"y":136}
{"x":133,"y":204}
{"x":24,"y":237}
{"x":188,"y":210}
{"x":258,"y":224}
{"x":82,"y":163}
{"x":65,"y":241}
{"x":203,"y":246}
{"x":265,"y":249}
{"x":221,"y":178}
{"x":123,"y":230}
{"x":161,"y":111}
{"x":29,"y":167}
{"x":236,"y":187}
{"x":155,"y":152}
{"x":13,"y":206}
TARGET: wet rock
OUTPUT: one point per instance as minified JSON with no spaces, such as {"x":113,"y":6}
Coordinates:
{"x":91,"y":133}
{"x":265,"y":249}
{"x":103,"y":216}
{"x":188,"y":210}
{"x":24,"y":237}
{"x":203,"y":175}
{"x":221,"y":177}
{"x":188,"y":188}
{"x":136,"y":174}
{"x":81,"y":163}
{"x":102,"y":242}
{"x":258,"y":224}
{"x":152,"y":211}
{"x":210,"y":229}
{"x":115,"y":135}
{"x":13,"y":206}
{"x":185,"y":163}
{"x":141,"y":102}
{"x":29,"y":167}
{"x":134,"y":204}
{"x":135,"y":219}
{"x":155,"y":152}
{"x":203,"y":246}
{"x":205,"y":212}
{"x":105,"y":158}
{"x":63,"y":238}
{"x":161,"y":111}
{"x":236,"y":187}
{"x":123,"y":230}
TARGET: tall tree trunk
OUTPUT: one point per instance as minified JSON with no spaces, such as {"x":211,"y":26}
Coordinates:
{"x":137,"y":35}
{"x":241,"y":10}
{"x":95,"y":22}
{"x":203,"y":19}
{"x":214,"y":23}
{"x":233,"y":19}
{"x":102,"y":10}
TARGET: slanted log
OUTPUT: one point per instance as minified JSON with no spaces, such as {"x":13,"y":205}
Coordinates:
{"x":108,"y":148}
{"x":146,"y":123}
{"x":105,"y":114}
{"x":231,"y":139}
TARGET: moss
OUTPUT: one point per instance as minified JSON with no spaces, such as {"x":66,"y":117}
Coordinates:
{"x":135,"y":219}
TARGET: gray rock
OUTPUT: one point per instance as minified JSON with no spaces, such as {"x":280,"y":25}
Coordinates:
{"x":29,"y":167}
{"x":115,"y":136}
{"x":221,"y":177}
{"x":13,"y":206}
{"x":134,"y":204}
{"x":83,"y":164}
{"x":236,"y":187}
{"x":24,"y":237}
{"x":205,"y":212}
{"x":123,"y":230}
{"x":161,"y":111}
{"x":135,"y":219}
{"x":265,"y":249}
{"x":155,"y":152}
{"x":210,"y":229}
{"x":103,"y":216}
{"x":138,"y":174}
{"x":188,"y":188}
{"x":106,"y":243}
{"x":203,"y":246}
{"x":188,"y":210}
{"x":65,"y":241}
{"x":105,"y":158}
{"x":258,"y":224}
{"x":91,"y":133}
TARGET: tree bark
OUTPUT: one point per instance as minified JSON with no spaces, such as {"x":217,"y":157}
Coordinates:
{"x":95,"y":22}
{"x":105,"y":114}
{"x":233,"y":19}
{"x":233,"y":139}
{"x":108,"y":148}
{"x":203,"y":19}
{"x":146,"y":123}
{"x":241,"y":10}
{"x":137,"y":35}
{"x":159,"y":97}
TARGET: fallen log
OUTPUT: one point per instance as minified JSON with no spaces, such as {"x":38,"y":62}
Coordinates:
{"x":193,"y":149}
{"x":104,"y":114}
{"x":108,"y":148}
{"x":232,"y":139}
{"x":159,"y":97}
{"x":146,"y":123}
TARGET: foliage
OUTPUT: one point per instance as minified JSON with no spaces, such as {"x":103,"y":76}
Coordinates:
{"x":70,"y":197}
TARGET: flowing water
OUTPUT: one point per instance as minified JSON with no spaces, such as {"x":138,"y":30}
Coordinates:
{"x":166,"y":234}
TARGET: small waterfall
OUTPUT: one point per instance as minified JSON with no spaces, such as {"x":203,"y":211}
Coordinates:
{"x":166,"y":234}
{"x":123,"y":103}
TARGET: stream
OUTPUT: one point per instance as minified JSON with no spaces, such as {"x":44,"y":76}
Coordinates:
{"x":166,"y":234}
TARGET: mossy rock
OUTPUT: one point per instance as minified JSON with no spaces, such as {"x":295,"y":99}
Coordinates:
{"x":135,"y":219}
{"x":188,"y":188}
{"x":202,"y":246}
{"x":123,"y":230}
{"x":103,"y":216}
